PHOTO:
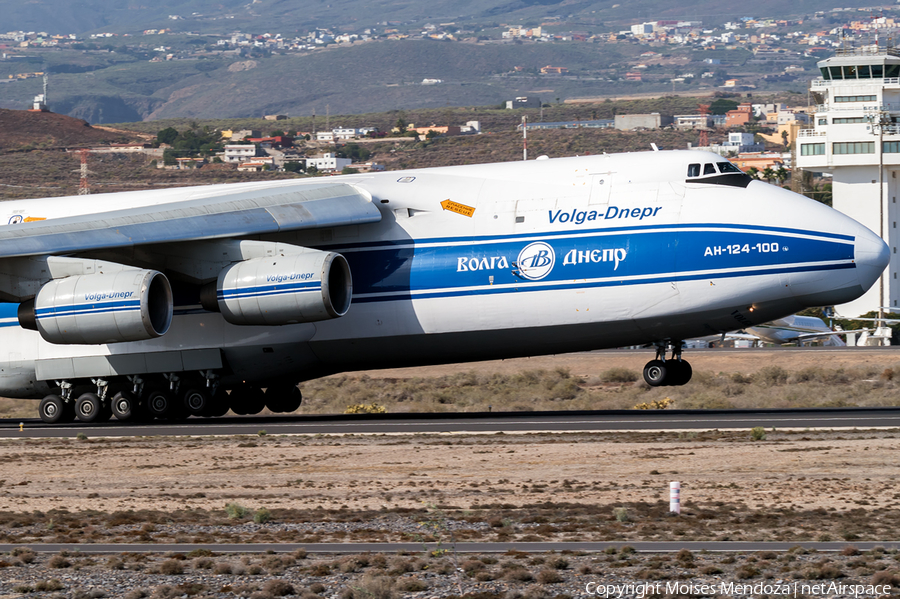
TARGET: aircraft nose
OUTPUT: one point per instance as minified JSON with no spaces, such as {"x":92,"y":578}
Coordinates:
{"x":872,"y":256}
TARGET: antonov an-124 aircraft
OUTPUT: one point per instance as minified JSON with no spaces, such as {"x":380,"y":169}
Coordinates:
{"x":192,"y":301}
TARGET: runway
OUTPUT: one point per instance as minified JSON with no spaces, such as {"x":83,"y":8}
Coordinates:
{"x":354,"y":548}
{"x":480,"y":422}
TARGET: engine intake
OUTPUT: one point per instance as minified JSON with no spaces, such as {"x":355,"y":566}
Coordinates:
{"x":129,"y":305}
{"x":295,"y":288}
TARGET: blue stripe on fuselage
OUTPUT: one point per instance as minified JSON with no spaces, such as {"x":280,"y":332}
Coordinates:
{"x":604,"y":259}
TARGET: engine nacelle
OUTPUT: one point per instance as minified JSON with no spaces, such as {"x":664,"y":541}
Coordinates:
{"x":129,"y":305}
{"x":305,"y":287}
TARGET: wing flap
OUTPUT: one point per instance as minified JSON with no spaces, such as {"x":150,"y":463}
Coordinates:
{"x":229,"y":215}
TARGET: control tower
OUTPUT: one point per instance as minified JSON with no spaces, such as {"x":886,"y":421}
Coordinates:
{"x":856,"y":138}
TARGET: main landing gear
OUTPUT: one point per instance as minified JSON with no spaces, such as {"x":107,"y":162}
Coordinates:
{"x":672,"y":372}
{"x":169,"y":396}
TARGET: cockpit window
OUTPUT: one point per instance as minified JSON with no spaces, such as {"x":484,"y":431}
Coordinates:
{"x":727,"y":167}
{"x":693,"y":170}
{"x":709,"y":169}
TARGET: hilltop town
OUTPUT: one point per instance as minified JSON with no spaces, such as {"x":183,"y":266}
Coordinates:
{"x":788,"y":45}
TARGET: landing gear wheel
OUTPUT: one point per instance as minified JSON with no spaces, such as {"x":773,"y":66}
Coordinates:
{"x":247,"y":400}
{"x":89,"y":408}
{"x":53,"y":409}
{"x":159,"y":404}
{"x":124,"y":406}
{"x":292,"y":401}
{"x":655,"y":373}
{"x":680,"y":372}
{"x":218,"y":404}
{"x":195,"y":401}
{"x":283,"y":399}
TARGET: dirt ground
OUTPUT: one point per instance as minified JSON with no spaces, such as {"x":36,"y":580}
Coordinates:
{"x":836,"y":472}
{"x":841,"y":469}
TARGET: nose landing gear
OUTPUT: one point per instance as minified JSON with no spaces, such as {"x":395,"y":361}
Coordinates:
{"x":672,"y":372}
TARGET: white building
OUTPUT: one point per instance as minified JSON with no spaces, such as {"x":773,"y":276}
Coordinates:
{"x":328,"y":163}
{"x":642,"y":29}
{"x":325,"y":136}
{"x":345,"y":133}
{"x":239,"y":153}
{"x":855,"y":138}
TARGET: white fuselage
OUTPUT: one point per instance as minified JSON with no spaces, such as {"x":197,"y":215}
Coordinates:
{"x":557,"y":255}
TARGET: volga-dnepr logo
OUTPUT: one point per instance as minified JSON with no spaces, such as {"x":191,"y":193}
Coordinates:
{"x":536,"y":260}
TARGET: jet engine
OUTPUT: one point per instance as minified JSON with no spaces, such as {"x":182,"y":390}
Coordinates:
{"x":305,"y":287}
{"x":129,"y":305}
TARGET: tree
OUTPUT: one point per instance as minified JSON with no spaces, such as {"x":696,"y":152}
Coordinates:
{"x":401,"y":125}
{"x":768,"y":174}
{"x":781,"y":174}
{"x":276,"y":134}
{"x":293,"y":167}
{"x":753,"y":172}
{"x":167,"y":135}
{"x":348,"y":170}
{"x":721,"y":106}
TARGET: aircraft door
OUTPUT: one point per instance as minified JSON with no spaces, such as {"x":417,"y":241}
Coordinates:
{"x":601,"y":187}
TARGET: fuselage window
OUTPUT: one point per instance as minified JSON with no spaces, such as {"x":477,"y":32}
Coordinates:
{"x":693,"y":170}
{"x":727,"y":167}
{"x":709,"y":169}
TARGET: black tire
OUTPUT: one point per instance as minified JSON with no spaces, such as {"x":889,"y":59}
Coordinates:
{"x":53,"y":409}
{"x":158,"y":403}
{"x":218,"y":404}
{"x":682,"y":372}
{"x":124,"y":406}
{"x":195,"y":400}
{"x":656,"y":373}
{"x":283,"y":399}
{"x":89,"y":408}
{"x":247,"y":400}
{"x":292,"y":400}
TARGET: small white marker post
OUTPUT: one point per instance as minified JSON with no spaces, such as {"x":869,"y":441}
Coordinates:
{"x":675,"y":497}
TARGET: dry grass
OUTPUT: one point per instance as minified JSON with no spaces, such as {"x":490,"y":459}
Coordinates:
{"x":617,"y":388}
{"x":558,"y":388}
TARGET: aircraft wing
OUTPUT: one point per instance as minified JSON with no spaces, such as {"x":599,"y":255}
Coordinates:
{"x":230,"y":214}
{"x":808,"y":336}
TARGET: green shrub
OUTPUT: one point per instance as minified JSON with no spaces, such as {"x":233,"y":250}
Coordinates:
{"x":618,"y":375}
{"x":235,"y":511}
{"x":758,"y":433}
{"x":262,"y":515}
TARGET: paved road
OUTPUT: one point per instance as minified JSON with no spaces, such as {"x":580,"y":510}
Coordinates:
{"x":648,"y":547}
{"x":610,"y":420}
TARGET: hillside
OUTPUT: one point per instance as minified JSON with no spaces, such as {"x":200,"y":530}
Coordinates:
{"x":21,"y":129}
{"x":224,"y":16}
